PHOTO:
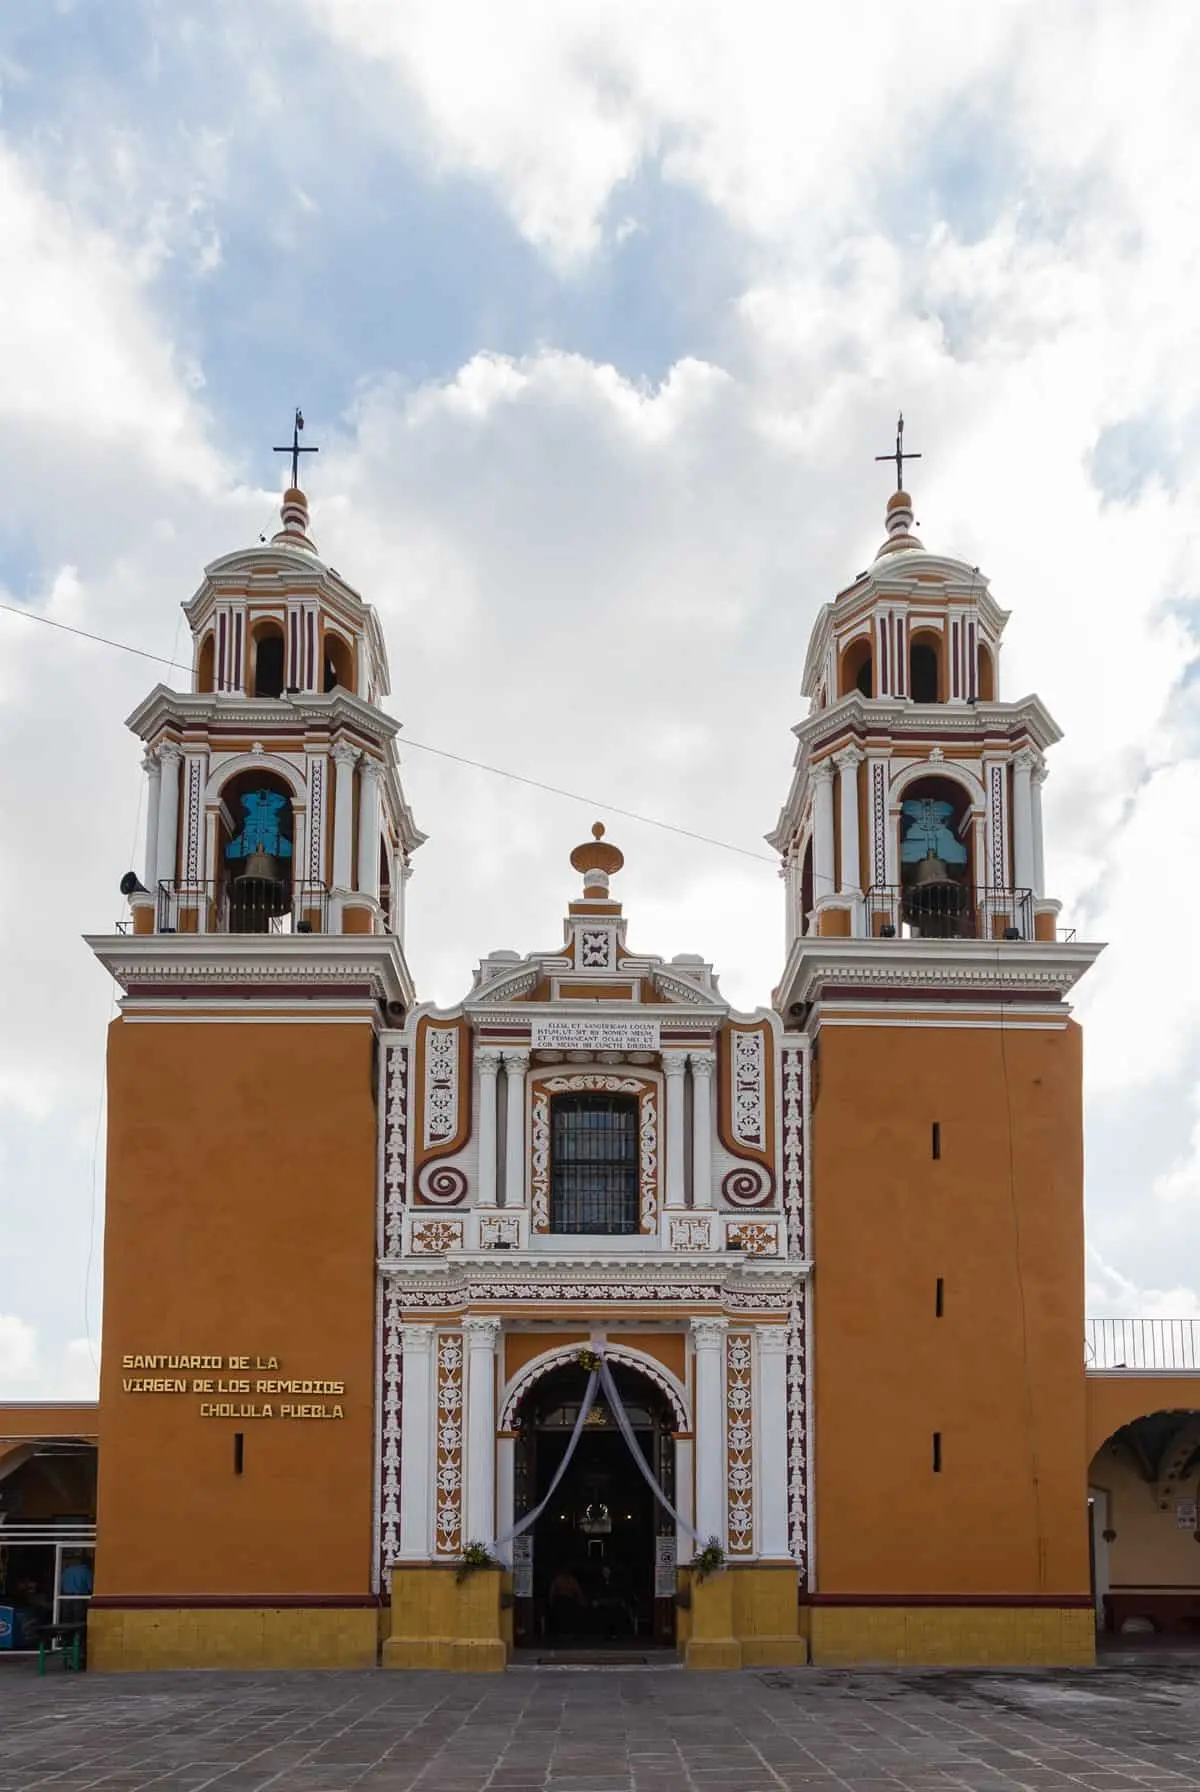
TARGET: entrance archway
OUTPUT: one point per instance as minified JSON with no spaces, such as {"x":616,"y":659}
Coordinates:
{"x":596,"y":1570}
{"x":1144,"y":1508}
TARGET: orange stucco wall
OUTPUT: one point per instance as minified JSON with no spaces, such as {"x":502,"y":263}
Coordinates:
{"x":240,"y":1220}
{"x":1117,"y":1398}
{"x":1000,"y":1218}
{"x":17,"y":1419}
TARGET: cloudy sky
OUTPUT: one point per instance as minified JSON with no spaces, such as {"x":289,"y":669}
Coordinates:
{"x":599,"y":311}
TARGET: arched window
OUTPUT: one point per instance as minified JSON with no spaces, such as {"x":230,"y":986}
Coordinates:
{"x":268,"y":660}
{"x":205,"y":664}
{"x":857,"y":673}
{"x":594,"y":1163}
{"x":937,"y":888}
{"x":925,"y":667}
{"x":987,"y":676}
{"x":339,"y":663}
{"x":257,"y":860}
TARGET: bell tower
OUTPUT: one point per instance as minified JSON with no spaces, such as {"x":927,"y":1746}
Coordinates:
{"x":264,"y":955}
{"x":926,"y":964}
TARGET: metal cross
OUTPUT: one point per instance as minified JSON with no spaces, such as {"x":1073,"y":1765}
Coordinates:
{"x":295,"y":450}
{"x":899,"y":456}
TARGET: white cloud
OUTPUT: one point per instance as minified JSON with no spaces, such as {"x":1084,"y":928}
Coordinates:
{"x":609,"y":585}
{"x":29,"y":1371}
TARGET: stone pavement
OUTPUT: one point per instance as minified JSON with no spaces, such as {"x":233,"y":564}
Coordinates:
{"x":615,"y":1730}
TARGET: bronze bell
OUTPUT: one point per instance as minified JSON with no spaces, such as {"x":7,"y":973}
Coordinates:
{"x":261,"y":868}
{"x":260,"y":893}
{"x":933,"y":902}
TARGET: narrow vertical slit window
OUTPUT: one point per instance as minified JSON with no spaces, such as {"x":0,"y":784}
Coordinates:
{"x":239,"y":1452}
{"x":936,"y":1138}
{"x":937,"y":1452}
{"x":939,"y":1298}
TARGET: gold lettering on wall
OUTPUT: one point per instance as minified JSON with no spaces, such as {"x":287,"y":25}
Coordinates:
{"x":237,"y":1383}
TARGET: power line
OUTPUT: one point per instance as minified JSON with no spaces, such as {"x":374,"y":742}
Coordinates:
{"x":496,"y":771}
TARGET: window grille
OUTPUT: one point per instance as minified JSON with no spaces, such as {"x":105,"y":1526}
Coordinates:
{"x":594,"y":1164}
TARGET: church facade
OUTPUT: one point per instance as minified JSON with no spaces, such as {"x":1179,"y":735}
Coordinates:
{"x":366,"y":1258}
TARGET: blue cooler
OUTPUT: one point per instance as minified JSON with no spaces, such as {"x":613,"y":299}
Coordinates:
{"x":8,"y":1627}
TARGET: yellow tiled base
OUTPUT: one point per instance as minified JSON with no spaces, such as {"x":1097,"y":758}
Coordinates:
{"x":238,"y":1637}
{"x":746,"y":1617}
{"x":439,"y":1621}
{"x":953,"y":1636}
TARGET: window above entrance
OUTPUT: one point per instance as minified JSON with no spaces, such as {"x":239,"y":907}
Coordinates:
{"x":594,"y":1167}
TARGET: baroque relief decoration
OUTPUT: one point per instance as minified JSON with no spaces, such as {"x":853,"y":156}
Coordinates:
{"x":797,"y":1441}
{"x":879,"y":874}
{"x":395,"y":1146}
{"x":543,"y":1089}
{"x":443,"y":1102}
{"x":998,"y":868}
{"x":194,"y":801}
{"x":433,"y":1237}
{"x":316,"y":821}
{"x":597,"y":948}
{"x":449,"y":1473}
{"x":389,"y":1463}
{"x":793,"y":1149}
{"x":499,"y":1229}
{"x":746,"y":1108}
{"x":690,"y":1234}
{"x":756,"y":1239}
{"x":739,"y":1440}
{"x":441,"y":1185}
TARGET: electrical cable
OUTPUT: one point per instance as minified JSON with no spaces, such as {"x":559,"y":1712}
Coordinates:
{"x":496,"y":771}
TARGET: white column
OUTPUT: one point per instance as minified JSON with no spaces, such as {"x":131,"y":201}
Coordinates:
{"x":822,"y":783}
{"x":480,"y":1510}
{"x":1023,"y":873}
{"x":167,"y":836}
{"x":708,"y":1335}
{"x":848,"y":762}
{"x":153,"y":771}
{"x":771,"y":1442}
{"x":674,"y":1064}
{"x":515,"y":1066}
{"x":1039,"y":840}
{"x":368,"y":828}
{"x":487,"y":1058}
{"x":702,"y":1123}
{"x":417,"y":1454}
{"x":345,"y":758}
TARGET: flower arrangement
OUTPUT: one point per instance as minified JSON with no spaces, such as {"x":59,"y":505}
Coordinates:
{"x":474,"y":1557}
{"x":708,"y":1560}
{"x":588,"y":1360}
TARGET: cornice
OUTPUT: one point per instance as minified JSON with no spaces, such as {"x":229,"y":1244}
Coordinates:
{"x":145,"y":961}
{"x":890,"y":722}
{"x":994,"y":968}
{"x":516,"y":1277}
{"x":165,"y":708}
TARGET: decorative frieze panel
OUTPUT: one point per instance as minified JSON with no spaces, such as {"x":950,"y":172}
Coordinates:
{"x":449,"y":1469}
{"x":739,"y":1441}
{"x":690,"y":1234}
{"x":542,"y":1092}
{"x":498,"y":1230}
{"x":395,"y":1146}
{"x":757,"y":1239}
{"x":443,"y":1103}
{"x":746,"y":1108}
{"x":997,"y":826}
{"x":596,"y":948}
{"x":434,"y":1237}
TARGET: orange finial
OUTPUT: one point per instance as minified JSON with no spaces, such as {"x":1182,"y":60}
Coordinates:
{"x":597,"y":859}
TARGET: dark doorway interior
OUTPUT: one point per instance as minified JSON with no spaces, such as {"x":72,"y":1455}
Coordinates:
{"x":594,"y":1548}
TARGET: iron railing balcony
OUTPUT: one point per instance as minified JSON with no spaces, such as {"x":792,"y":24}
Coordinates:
{"x":1149,"y":1345}
{"x":948,"y":912}
{"x":207,"y":906}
